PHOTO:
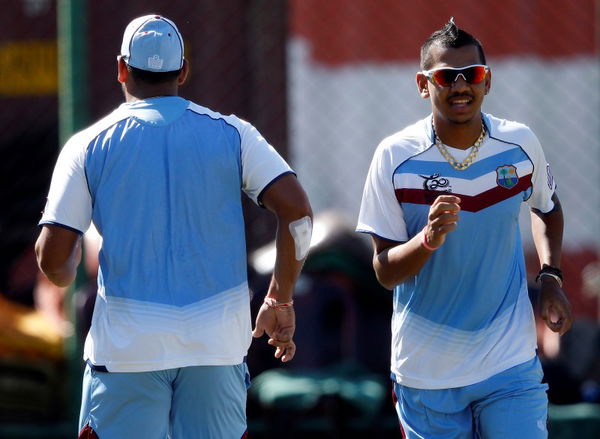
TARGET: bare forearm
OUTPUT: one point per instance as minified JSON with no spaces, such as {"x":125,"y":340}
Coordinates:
{"x":61,"y":275}
{"x":397,"y":263}
{"x":287,"y":267}
{"x":58,"y":254}
{"x":61,"y":278}
{"x":287,"y":200}
{"x":276,"y":316}
{"x":400,"y":263}
{"x":547,"y":231}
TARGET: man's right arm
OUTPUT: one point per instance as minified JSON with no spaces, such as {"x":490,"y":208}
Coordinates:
{"x":66,"y":216}
{"x":58,"y":253}
{"x":395,"y":263}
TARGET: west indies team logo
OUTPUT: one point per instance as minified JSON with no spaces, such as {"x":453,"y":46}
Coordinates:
{"x":506,"y":176}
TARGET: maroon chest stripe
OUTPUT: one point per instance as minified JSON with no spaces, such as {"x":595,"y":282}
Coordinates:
{"x":468,"y":203}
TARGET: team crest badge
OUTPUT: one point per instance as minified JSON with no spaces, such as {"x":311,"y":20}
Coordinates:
{"x":506,"y":176}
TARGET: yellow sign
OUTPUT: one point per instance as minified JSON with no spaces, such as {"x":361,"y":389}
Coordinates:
{"x":28,"y":68}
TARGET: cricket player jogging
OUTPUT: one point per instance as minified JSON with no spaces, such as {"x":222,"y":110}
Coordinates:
{"x":441,"y":203}
{"x":161,"y":179}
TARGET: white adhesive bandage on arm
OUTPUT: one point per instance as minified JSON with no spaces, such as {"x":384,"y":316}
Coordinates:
{"x":301,"y":231}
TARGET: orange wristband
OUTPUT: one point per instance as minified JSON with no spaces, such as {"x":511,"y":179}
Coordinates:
{"x":272,"y":303}
{"x":425,"y":243}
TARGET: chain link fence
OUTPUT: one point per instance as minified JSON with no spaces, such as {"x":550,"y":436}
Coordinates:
{"x":324,"y":82}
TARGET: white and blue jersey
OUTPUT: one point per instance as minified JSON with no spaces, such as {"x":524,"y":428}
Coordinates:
{"x":161,"y":179}
{"x":466,"y":315}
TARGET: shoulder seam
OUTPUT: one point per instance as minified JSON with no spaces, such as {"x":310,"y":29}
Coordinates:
{"x":408,"y":158}
{"x":210,"y":116}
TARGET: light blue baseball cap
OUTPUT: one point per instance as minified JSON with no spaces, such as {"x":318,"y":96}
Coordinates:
{"x":152,"y":43}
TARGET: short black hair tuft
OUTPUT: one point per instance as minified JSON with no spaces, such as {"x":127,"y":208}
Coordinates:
{"x":449,"y":36}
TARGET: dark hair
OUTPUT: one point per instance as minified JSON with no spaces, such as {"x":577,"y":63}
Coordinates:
{"x":449,"y":36}
{"x":154,"y":78}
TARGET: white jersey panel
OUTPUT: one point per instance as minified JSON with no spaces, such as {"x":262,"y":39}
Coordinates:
{"x":69,"y":202}
{"x":215,"y":331}
{"x":542,"y":179}
{"x":438,"y":353}
{"x":380,"y":214}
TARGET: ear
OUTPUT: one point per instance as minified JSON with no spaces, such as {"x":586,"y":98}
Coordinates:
{"x":422,"y":85}
{"x":121,"y":70}
{"x":488,"y":81}
{"x":185,"y":70}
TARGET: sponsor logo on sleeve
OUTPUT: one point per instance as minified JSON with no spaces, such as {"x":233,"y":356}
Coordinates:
{"x":550,"y":177}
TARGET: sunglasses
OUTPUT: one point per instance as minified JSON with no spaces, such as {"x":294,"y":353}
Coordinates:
{"x":446,"y":76}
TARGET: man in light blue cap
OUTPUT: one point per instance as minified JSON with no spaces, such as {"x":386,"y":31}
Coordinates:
{"x":157,"y":42}
{"x":160,"y":178}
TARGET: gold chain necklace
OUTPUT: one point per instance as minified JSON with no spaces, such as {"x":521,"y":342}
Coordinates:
{"x":460,"y":166}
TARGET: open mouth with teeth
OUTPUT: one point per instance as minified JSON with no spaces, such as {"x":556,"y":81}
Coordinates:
{"x":460,"y":101}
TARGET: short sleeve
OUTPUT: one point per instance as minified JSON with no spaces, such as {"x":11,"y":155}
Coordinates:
{"x":261,"y":163}
{"x":380,"y":212}
{"x":542,"y":180}
{"x":69,"y":202}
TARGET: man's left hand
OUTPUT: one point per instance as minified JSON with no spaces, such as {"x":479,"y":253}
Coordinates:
{"x":279,"y":324}
{"x":555,"y":308}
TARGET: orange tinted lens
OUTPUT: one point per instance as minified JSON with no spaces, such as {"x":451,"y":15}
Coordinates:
{"x":474,"y":75}
{"x":444,"y":77}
